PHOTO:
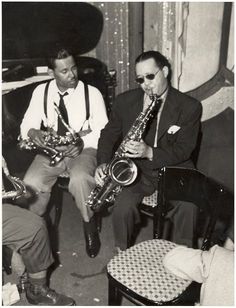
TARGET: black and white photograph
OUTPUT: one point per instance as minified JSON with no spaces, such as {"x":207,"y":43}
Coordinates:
{"x":117,"y":153}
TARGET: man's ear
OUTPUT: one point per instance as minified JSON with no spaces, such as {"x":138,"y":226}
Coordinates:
{"x":165,"y":71}
{"x":50,"y":72}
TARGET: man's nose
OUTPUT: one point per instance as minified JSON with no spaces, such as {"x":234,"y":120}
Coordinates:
{"x":72,"y":73}
{"x":146,"y":81}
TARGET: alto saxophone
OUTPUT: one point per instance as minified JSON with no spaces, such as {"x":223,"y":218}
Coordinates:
{"x":121,"y":171}
{"x":51,"y":141}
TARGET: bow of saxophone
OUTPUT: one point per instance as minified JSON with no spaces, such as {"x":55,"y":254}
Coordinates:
{"x":12,"y":187}
{"x":18,"y":188}
{"x":48,"y":148}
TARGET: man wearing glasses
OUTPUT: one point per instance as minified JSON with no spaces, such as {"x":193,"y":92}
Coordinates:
{"x":169,"y":140}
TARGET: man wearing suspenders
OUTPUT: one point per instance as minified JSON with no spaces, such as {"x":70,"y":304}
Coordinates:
{"x":82,"y":108}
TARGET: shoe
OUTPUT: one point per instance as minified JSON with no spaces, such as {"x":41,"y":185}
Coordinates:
{"x":44,"y":296}
{"x":92,"y":239}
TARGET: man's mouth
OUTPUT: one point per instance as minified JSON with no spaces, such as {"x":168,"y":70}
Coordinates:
{"x":148,"y":91}
{"x":73,"y":81}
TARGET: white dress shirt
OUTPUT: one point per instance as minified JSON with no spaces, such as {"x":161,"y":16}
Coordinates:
{"x":75,"y":105}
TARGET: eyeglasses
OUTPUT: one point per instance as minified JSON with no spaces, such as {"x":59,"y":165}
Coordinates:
{"x":140,"y":80}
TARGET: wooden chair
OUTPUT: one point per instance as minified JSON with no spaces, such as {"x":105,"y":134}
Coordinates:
{"x":138,"y":272}
{"x":148,"y":208}
{"x":56,"y":200}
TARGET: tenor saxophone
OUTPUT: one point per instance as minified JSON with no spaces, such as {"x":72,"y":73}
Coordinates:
{"x":51,"y":141}
{"x":121,"y":171}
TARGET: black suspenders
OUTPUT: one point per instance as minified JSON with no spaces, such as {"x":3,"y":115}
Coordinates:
{"x":45,"y":98}
{"x":86,"y":93}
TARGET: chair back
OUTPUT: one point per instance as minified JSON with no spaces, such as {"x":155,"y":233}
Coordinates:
{"x":191,"y":185}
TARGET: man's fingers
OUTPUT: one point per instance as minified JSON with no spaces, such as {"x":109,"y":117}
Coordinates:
{"x":38,"y":142}
{"x":71,"y":151}
{"x":130,"y":155}
{"x":98,"y":178}
{"x":100,"y":174}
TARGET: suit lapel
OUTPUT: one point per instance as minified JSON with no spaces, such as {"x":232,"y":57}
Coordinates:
{"x":139,"y":104}
{"x":131,"y":109}
{"x":170,"y":113}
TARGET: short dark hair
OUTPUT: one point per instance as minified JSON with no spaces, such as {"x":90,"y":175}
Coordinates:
{"x":160,"y":60}
{"x":59,"y":52}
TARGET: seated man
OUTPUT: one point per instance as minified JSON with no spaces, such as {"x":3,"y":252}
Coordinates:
{"x":82,"y":110}
{"x":168,"y":140}
{"x":26,"y":233}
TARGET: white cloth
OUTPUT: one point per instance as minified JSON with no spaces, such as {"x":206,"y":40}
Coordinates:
{"x":75,"y":105}
{"x":213,"y":268}
{"x":10,"y":294}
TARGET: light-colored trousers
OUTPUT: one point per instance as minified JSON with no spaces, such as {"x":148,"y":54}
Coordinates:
{"x":41,"y":177}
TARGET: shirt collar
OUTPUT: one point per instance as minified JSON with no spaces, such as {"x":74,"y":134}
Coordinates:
{"x":164,"y":95}
{"x":69,"y":91}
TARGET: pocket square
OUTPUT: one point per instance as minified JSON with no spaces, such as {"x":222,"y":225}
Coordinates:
{"x":173,"y":129}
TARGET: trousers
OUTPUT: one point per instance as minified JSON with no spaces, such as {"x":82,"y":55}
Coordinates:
{"x":26,"y":233}
{"x":126,"y":215}
{"x":41,"y":177}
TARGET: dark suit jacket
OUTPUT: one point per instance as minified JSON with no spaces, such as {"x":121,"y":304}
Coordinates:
{"x":172,"y":149}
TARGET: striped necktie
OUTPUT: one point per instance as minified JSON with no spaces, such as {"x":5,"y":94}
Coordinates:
{"x":61,"y":127}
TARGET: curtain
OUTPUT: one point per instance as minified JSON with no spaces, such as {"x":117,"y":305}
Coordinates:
{"x":164,"y":29}
{"x":113,"y":47}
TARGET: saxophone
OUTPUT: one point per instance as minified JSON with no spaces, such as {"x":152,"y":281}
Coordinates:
{"x":121,"y":171}
{"x":18,"y":188}
{"x":51,"y":141}
{"x":14,"y":184}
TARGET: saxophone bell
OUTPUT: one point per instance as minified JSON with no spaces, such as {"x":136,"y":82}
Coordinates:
{"x":120,"y":172}
{"x":123,"y":171}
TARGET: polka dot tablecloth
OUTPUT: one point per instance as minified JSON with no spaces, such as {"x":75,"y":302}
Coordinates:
{"x":140,"y":269}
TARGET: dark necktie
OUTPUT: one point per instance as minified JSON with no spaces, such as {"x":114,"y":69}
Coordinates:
{"x":61,"y":127}
{"x":159,"y":111}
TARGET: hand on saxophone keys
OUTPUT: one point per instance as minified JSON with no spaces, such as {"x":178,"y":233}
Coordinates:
{"x":100,"y":174}
{"x":138,"y":149}
{"x":71,"y":150}
{"x":37,"y":136}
